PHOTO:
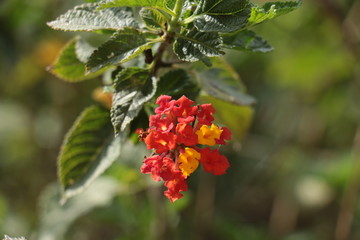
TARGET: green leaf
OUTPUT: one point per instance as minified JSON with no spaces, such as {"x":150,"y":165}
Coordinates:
{"x":177,"y":83}
{"x":133,"y":87}
{"x":56,"y":219}
{"x":222,"y":82}
{"x":170,"y":4}
{"x":159,"y":4}
{"x":246,"y":40}
{"x":153,"y":18}
{"x":123,"y":46}
{"x":271,"y":10}
{"x":86,"y":17}
{"x":194,"y":45}
{"x":87,"y":151}
{"x":83,"y":50}
{"x":70,"y":64}
{"x":237,"y":118}
{"x":221,"y":15}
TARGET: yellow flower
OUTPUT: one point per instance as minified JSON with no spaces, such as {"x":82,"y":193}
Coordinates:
{"x":207,"y":135}
{"x":188,"y":161}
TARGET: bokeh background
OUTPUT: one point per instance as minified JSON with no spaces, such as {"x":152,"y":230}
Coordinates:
{"x":295,"y":174}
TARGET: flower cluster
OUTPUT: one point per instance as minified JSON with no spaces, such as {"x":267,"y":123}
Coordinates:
{"x":175,"y":133}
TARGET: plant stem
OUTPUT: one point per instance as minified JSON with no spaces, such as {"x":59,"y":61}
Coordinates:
{"x":177,"y":10}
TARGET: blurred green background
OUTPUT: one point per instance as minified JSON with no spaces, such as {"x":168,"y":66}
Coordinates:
{"x":294,"y":176}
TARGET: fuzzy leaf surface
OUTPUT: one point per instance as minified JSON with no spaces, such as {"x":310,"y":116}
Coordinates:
{"x":153,"y":18}
{"x":222,"y":82}
{"x":86,"y":17}
{"x":246,"y":40}
{"x":160,"y":4}
{"x":121,"y":47}
{"x":177,"y":83}
{"x":133,"y":87}
{"x":221,"y":15}
{"x":70,"y":64}
{"x":88,"y":150}
{"x":194,"y":45}
{"x":271,"y":10}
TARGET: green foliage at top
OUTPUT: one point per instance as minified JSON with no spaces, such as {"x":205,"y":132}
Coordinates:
{"x":246,"y":40}
{"x":153,"y":18}
{"x":157,"y":4}
{"x":271,"y":10}
{"x":145,"y":57}
{"x":86,"y":17}
{"x":221,"y":15}
{"x":122,"y":46}
{"x":193,"y":45}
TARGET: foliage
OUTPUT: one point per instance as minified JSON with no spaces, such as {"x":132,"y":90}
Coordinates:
{"x":296,"y":163}
{"x":197,"y":30}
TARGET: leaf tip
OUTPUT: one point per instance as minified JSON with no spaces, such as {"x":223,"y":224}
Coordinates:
{"x":63,"y":200}
{"x":50,"y":24}
{"x":49,"y":68}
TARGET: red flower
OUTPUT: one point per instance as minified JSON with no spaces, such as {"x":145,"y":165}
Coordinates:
{"x":213,"y":161}
{"x":176,"y":143}
{"x":164,"y":103}
{"x":225,"y":135}
{"x":184,"y":111}
{"x":175,"y":185}
{"x":159,"y":167}
{"x":205,"y":114}
{"x":160,"y":123}
{"x":161,"y":141}
{"x":186,"y":135}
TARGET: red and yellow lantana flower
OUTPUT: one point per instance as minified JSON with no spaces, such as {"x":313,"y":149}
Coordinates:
{"x":179,"y":134}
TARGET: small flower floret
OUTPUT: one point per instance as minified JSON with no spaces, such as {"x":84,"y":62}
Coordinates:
{"x":188,"y":161}
{"x":208,"y":135}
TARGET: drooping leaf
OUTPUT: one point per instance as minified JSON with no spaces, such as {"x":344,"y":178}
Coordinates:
{"x":88,"y":149}
{"x":221,"y":15}
{"x":222,"y":82}
{"x":246,"y":40}
{"x":194,"y":45}
{"x":153,"y":18}
{"x":271,"y":10}
{"x":56,"y":219}
{"x":86,"y":17}
{"x":70,"y":64}
{"x":133,"y":87}
{"x":122,"y":46}
{"x":177,"y":83}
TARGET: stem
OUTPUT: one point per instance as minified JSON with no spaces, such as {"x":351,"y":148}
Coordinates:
{"x":177,"y":10}
{"x":351,"y":195}
{"x":190,"y":19}
{"x":157,"y":63}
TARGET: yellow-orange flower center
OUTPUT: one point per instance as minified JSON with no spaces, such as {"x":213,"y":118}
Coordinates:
{"x":188,"y":161}
{"x":207,"y":135}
